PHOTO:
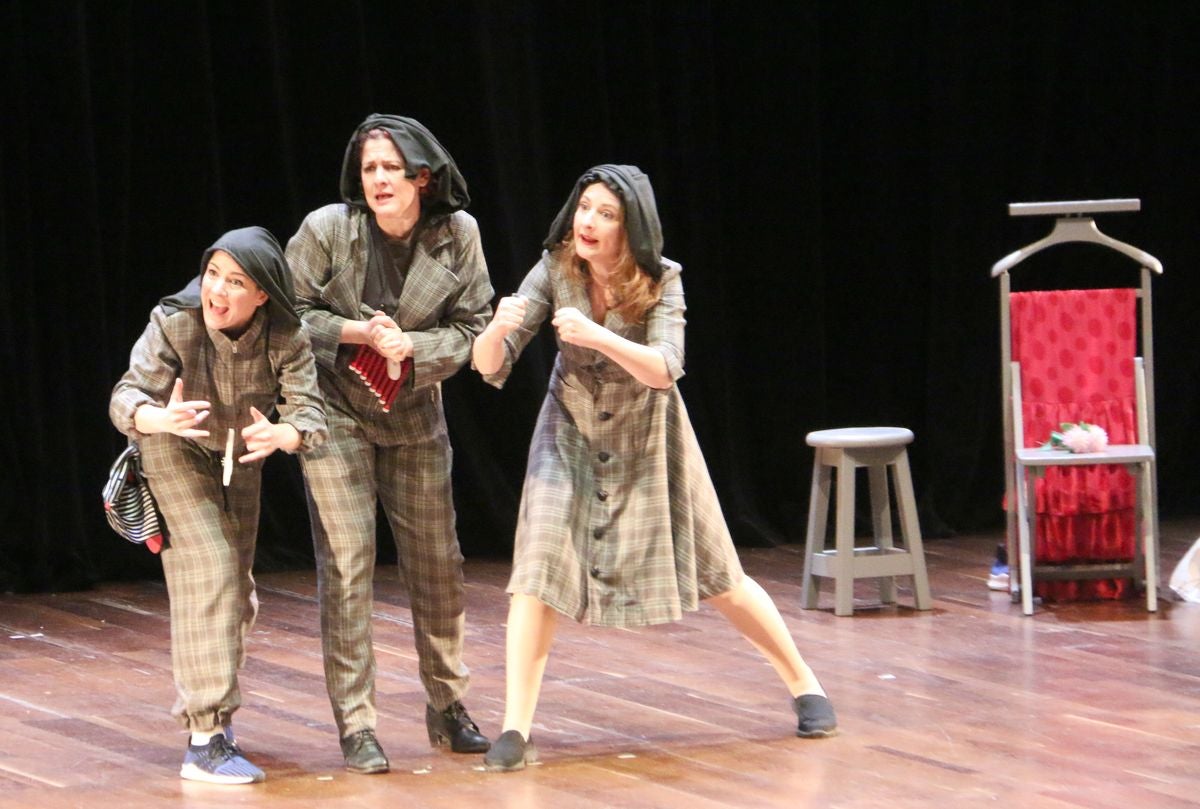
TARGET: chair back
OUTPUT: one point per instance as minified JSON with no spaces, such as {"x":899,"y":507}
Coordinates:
{"x":1076,"y":348}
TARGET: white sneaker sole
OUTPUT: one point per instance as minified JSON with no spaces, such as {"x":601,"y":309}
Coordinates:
{"x":193,"y":773}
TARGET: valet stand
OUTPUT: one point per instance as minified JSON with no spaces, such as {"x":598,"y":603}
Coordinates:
{"x":1024,"y":465}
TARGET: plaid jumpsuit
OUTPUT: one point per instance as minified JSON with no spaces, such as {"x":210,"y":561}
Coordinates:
{"x":207,"y":561}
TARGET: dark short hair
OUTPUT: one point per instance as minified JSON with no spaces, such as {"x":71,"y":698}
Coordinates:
{"x":379,"y":134}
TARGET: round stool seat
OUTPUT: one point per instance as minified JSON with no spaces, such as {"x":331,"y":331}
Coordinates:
{"x":850,"y":437}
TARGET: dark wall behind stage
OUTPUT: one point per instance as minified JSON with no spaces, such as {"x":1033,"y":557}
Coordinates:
{"x":833,"y":177}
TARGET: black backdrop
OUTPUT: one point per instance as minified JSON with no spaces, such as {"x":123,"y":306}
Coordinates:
{"x":832,"y":176}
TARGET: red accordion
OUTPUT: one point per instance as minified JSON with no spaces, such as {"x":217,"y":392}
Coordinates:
{"x":372,"y":368}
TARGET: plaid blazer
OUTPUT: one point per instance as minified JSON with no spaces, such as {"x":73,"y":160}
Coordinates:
{"x":445,"y":304}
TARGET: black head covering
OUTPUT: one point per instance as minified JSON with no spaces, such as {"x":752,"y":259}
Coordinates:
{"x":260,"y":256}
{"x":420,"y":150}
{"x":642,"y":227}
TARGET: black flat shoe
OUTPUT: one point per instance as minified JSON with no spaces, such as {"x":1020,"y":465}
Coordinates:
{"x":817,"y":719}
{"x":453,"y":728}
{"x":510,"y":752}
{"x":363,"y":753}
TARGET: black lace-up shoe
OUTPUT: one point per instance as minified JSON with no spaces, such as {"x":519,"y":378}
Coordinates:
{"x":453,"y":728}
{"x":510,"y":752}
{"x":363,"y":753}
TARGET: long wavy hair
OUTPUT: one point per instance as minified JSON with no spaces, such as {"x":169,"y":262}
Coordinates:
{"x":634,"y":292}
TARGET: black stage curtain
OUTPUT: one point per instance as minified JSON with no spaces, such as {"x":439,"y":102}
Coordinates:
{"x":833,"y":177}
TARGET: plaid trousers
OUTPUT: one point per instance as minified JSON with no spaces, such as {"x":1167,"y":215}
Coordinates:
{"x":207,"y":565}
{"x":343,"y":477}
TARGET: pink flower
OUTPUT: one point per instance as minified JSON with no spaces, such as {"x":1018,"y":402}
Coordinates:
{"x":1085,"y":438}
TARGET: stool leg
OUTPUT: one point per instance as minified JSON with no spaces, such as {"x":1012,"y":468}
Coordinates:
{"x":844,"y":564}
{"x":910,"y":528}
{"x":814,"y":538}
{"x":881,"y":523}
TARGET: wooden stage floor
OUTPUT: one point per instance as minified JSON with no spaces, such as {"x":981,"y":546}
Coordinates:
{"x":970,"y":704}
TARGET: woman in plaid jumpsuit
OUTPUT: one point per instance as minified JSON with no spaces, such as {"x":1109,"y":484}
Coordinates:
{"x":215,"y":361}
{"x":619,"y":523}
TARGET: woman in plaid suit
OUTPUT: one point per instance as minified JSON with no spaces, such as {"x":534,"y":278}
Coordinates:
{"x":396,"y":271}
{"x":619,"y":523}
{"x":232,"y":343}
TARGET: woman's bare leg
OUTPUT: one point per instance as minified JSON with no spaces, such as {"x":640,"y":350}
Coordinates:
{"x":753,"y":613}
{"x":530,"y":633}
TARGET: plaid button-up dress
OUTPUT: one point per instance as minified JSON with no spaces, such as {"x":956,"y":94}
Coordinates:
{"x":619,"y":522}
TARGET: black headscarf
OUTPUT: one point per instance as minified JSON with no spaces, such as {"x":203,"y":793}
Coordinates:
{"x":258,"y":253}
{"x":642,"y":227}
{"x":420,"y":149}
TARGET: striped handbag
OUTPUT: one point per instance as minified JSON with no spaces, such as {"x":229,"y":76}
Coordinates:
{"x":129,"y":505}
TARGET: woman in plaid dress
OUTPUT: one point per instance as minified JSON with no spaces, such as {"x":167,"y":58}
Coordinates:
{"x":619,"y":523}
{"x":232,"y":342}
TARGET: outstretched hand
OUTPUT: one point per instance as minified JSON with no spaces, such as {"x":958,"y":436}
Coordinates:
{"x":262,"y":437}
{"x":178,"y":417}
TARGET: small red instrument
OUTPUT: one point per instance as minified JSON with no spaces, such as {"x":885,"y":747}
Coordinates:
{"x":384,"y":377}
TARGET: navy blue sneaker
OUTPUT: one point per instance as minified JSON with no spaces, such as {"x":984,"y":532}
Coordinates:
{"x":998,"y":577}
{"x":219,"y":762}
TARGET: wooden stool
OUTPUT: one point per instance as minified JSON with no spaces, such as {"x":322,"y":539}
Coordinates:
{"x":846,"y":450}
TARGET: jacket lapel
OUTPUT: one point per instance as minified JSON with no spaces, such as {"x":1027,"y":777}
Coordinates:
{"x":429,"y":283}
{"x":568,"y":294}
{"x":343,"y":293}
